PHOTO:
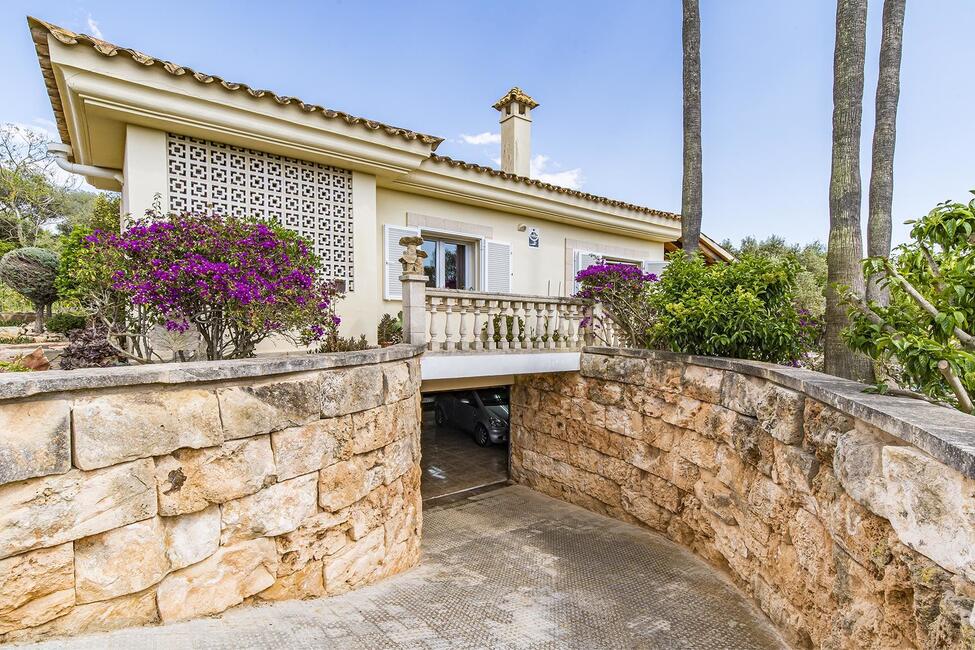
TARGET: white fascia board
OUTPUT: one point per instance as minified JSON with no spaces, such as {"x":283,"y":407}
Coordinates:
{"x":486,"y":364}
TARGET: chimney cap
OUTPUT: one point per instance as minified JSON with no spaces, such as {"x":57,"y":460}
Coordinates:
{"x":516,"y":94}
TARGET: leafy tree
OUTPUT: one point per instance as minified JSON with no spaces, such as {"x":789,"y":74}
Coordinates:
{"x":31,"y":272}
{"x":845,"y":240}
{"x":691,"y":191}
{"x":926,"y":334}
{"x":621,"y":291}
{"x":30,"y":196}
{"x":884,"y":135}
{"x":811,"y":279}
{"x":744,"y":309}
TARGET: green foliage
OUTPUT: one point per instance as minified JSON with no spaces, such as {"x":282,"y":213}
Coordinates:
{"x":390,"y":330}
{"x":744,"y":309}
{"x":13,"y":366}
{"x":505,"y":329}
{"x":63,"y":322}
{"x":915,"y":332}
{"x":31,"y":272}
{"x":335,"y":343}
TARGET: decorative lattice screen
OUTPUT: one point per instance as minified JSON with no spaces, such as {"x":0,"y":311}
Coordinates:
{"x":313,"y":200}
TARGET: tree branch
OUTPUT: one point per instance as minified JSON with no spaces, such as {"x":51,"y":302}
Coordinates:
{"x":964,"y":401}
{"x":966,"y":339}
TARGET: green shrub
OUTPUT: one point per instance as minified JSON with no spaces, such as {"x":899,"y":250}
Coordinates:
{"x":924,"y":339}
{"x":335,"y":343}
{"x":62,"y":323}
{"x":390,"y":330}
{"x":13,"y":366}
{"x":743,"y":309}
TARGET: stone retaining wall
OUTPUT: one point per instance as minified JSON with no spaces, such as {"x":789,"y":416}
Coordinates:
{"x":848,"y":517}
{"x":133,"y":496}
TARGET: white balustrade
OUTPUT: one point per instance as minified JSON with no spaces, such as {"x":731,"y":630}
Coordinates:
{"x":468,"y":321}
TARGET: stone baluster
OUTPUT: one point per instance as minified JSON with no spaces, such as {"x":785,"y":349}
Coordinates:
{"x":448,"y":325}
{"x":414,"y":282}
{"x":574,"y":327}
{"x":478,"y":343}
{"x":563,"y":327}
{"x":550,"y":325}
{"x":516,"y":329}
{"x":531,"y":335}
{"x":503,"y":305}
{"x":540,"y":323}
{"x":465,"y":325}
{"x":434,"y":323}
{"x":491,"y":308}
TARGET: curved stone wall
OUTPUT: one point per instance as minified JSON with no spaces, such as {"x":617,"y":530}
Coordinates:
{"x":139,"y":495}
{"x":848,"y":517}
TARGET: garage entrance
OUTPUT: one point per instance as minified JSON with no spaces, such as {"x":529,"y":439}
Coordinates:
{"x":464,"y":442}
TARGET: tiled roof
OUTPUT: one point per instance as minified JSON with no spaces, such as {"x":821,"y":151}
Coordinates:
{"x":40,"y":30}
{"x":554,"y":188}
{"x":516,"y":94}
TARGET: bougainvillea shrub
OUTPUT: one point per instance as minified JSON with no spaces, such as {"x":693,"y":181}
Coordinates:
{"x":233,"y":280}
{"x":620,"y":290}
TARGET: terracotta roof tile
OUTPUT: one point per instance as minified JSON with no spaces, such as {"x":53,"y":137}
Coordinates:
{"x":554,"y":188}
{"x":40,"y":30}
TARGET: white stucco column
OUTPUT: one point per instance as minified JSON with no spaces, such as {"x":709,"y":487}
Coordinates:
{"x":145,"y":170}
{"x":414,"y":292}
{"x":361,"y":309}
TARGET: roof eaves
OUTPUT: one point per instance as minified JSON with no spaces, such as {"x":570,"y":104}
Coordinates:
{"x":40,"y":30}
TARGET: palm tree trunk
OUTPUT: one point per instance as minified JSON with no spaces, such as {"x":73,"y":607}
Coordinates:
{"x":885,"y":130}
{"x":845,"y":240}
{"x":691,"y":191}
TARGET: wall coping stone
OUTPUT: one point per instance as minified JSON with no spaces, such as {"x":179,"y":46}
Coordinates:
{"x":28,"y":384}
{"x":945,"y":433}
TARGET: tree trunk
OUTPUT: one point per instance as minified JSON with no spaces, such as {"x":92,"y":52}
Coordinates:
{"x":845,"y":240}
{"x":38,"y":317}
{"x":690,"y":207}
{"x":884,"y":133}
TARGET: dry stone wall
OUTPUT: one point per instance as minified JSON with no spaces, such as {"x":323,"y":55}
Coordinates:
{"x":135,"y":496}
{"x":848,"y":517}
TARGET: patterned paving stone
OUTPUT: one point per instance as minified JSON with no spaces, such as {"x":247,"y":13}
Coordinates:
{"x":509,"y":568}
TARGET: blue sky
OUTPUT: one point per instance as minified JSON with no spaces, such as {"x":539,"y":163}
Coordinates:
{"x":607,"y":76}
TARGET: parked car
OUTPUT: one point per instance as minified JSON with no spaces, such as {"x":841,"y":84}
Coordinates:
{"x":485,"y":413}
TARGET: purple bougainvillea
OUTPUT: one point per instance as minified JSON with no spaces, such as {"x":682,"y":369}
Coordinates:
{"x":235,"y":280}
{"x":618,"y":289}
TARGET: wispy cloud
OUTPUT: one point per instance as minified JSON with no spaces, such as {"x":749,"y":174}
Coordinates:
{"x":93,"y":27}
{"x":482,"y":138}
{"x":570,"y":178}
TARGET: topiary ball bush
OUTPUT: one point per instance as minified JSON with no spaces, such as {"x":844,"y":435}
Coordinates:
{"x":63,"y":323}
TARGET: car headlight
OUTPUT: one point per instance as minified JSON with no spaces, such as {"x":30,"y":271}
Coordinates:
{"x":496,"y":422}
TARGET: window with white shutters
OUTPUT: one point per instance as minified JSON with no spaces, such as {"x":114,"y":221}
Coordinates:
{"x":497,"y":266}
{"x":392,"y":251}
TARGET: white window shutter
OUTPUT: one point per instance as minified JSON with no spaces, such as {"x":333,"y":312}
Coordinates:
{"x":497,"y":266}
{"x":654,"y":266}
{"x":582,"y":260}
{"x":393,"y":288}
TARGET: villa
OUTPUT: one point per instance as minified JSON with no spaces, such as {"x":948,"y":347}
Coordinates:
{"x":168,"y":136}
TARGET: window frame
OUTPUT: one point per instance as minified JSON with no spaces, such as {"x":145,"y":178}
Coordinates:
{"x":472,"y":261}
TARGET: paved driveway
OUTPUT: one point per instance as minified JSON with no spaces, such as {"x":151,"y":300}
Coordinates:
{"x":507,"y":569}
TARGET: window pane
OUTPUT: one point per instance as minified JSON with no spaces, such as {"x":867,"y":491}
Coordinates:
{"x":450,"y":265}
{"x":430,"y":263}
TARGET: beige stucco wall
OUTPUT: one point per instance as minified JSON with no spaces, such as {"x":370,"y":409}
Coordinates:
{"x":546,"y":270}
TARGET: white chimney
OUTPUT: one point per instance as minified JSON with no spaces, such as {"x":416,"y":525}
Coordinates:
{"x":516,"y":131}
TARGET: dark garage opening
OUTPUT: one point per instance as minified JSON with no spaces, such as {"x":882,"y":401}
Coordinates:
{"x":464,"y":443}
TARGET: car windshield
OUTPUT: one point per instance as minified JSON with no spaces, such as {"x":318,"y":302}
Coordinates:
{"x":493,"y":398}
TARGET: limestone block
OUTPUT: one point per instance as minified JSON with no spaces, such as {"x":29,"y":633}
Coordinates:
{"x":349,"y":390}
{"x":400,"y":380}
{"x":275,"y":510}
{"x":697,"y":449}
{"x":780,"y":413}
{"x":398,"y":458}
{"x":116,"y":427}
{"x":623,"y":369}
{"x":355,"y":564}
{"x":191,"y":538}
{"x":374,"y":509}
{"x":582,"y":481}
{"x":374,"y":428}
{"x":664,"y":493}
{"x":346,"y":482}
{"x":319,"y":536}
{"x":120,"y":561}
{"x":931,"y":508}
{"x":795,"y":467}
{"x":624,"y":422}
{"x":812,"y":544}
{"x":34,"y":439}
{"x":55,"y":509}
{"x":823,"y":425}
{"x":702,"y":383}
{"x":308,"y":448}
{"x":269,"y":405}
{"x":662,"y":375}
{"x":686,"y":412}
{"x":717,"y":498}
{"x":189,"y":480}
{"x":742,"y":393}
{"x":645,"y":509}
{"x":659,"y":434}
{"x":753,"y":443}
{"x":858,"y":466}
{"x":126,"y":611}
{"x":306,"y":582}
{"x":399,"y":558}
{"x":36,"y":587}
{"x":605,"y":393}
{"x":404,"y":521}
{"x":221,"y":581}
